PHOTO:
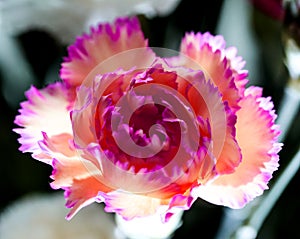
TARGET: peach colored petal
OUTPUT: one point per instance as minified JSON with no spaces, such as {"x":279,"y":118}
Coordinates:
{"x":78,"y":176}
{"x":66,"y":163}
{"x":224,"y":150}
{"x":62,"y":144}
{"x":98,"y":49}
{"x":130,"y":205}
{"x":257,"y":136}
{"x":157,"y":184}
{"x":82,"y":124}
{"x":82,"y":193}
{"x":65,"y":170}
{"x":230,"y":156}
{"x":46,"y":110}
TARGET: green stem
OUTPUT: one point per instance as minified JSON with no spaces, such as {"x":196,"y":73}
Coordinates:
{"x":288,"y":109}
{"x":258,"y":217}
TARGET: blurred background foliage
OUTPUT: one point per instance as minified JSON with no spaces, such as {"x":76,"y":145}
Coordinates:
{"x":258,"y":39}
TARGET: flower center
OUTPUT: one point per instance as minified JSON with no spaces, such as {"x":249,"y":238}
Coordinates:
{"x":130,"y":144}
{"x":142,"y":120}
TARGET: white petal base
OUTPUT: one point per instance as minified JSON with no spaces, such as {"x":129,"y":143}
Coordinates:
{"x":147,"y":227}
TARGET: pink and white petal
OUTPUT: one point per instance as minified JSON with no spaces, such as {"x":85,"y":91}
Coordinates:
{"x":177,"y":204}
{"x":237,"y":64}
{"x":106,"y":41}
{"x":129,"y":205}
{"x":200,"y":53}
{"x":257,"y":136}
{"x":47,"y":111}
{"x":208,"y":53}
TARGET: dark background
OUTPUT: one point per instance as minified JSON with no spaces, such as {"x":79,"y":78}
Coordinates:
{"x":21,"y":175}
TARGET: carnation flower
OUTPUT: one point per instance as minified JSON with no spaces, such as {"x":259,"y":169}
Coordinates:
{"x":142,"y":133}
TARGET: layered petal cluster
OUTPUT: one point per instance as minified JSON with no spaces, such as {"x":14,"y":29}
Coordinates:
{"x":143,"y":133}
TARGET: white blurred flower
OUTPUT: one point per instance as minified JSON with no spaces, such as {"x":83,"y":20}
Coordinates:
{"x":292,"y":59}
{"x":67,"y":18}
{"x":148,"y":227}
{"x":42,"y":217}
